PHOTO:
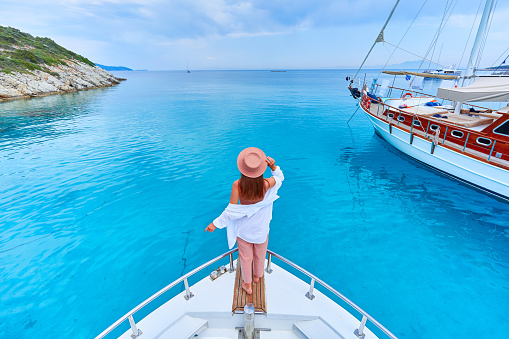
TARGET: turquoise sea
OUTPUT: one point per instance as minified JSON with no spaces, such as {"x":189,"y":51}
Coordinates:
{"x":104,"y":196}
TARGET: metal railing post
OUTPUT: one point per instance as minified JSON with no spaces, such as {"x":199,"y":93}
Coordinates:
{"x":466,"y":142}
{"x":269,"y":260}
{"x":188,"y":295}
{"x":359,"y":332}
{"x":492,"y":147}
{"x":231,"y":263}
{"x":445,"y":134}
{"x":427,"y":129}
{"x":309,"y":294}
{"x":136,"y":332}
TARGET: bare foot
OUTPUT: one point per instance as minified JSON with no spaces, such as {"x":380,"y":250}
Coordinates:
{"x":256,"y":279}
{"x":247,"y":287}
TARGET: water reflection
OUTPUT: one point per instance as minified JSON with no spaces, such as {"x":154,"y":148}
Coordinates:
{"x":24,"y":121}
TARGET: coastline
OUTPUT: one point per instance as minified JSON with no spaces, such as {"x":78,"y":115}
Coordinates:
{"x":73,"y":77}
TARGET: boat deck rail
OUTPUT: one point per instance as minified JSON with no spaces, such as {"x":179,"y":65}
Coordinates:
{"x":137,"y":332}
{"x":403,"y":90}
{"x":385,"y":109}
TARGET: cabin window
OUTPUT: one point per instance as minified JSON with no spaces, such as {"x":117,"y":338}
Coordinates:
{"x":502,"y":129}
{"x":401,"y":118}
{"x":391,"y":115}
{"x":434,"y":127}
{"x":417,"y":123}
{"x":483,"y":141}
{"x":457,"y":134}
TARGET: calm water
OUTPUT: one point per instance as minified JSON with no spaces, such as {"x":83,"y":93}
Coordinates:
{"x":104,"y":196}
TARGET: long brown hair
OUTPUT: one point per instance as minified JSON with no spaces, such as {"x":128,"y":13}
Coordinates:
{"x":251,"y":188}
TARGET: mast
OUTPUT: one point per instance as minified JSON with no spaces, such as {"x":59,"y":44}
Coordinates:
{"x":488,"y":8}
{"x":469,"y":71}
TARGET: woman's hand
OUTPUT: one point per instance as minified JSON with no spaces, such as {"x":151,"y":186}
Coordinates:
{"x":272,"y":163}
{"x":210,"y":228}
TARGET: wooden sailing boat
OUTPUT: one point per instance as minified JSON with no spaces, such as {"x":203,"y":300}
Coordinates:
{"x":462,"y":140}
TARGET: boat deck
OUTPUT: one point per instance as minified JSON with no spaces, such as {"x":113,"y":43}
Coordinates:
{"x":377,"y":110}
{"x":208,"y":314}
{"x":240,"y":297}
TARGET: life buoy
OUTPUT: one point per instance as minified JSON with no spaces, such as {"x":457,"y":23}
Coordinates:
{"x":408,"y":94}
{"x":367,"y":102}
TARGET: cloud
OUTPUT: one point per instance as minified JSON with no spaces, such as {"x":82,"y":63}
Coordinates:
{"x":163,"y":32}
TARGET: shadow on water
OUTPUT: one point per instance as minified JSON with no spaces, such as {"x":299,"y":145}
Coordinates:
{"x":44,"y":117}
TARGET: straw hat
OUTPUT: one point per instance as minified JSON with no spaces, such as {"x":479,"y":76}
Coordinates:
{"x":252,"y":162}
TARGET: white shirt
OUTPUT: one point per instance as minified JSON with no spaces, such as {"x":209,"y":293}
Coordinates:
{"x":250,"y":222}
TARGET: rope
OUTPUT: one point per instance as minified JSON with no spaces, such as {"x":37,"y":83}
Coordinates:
{"x":501,"y":55}
{"x":485,"y":37}
{"x":423,"y":58}
{"x":448,"y":8}
{"x":503,"y":62}
{"x":408,"y":28}
{"x":380,"y":35}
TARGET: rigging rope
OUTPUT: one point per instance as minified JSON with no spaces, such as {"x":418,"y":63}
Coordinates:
{"x":379,"y":38}
{"x":501,"y":55}
{"x":420,"y":57}
{"x":400,"y":40}
{"x":485,"y":36}
{"x":469,"y":34}
{"x":448,"y":9}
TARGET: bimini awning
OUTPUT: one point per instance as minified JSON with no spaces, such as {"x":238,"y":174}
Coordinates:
{"x":494,"y":89}
{"x":424,"y":75}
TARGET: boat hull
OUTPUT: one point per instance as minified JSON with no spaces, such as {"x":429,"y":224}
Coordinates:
{"x":481,"y":175}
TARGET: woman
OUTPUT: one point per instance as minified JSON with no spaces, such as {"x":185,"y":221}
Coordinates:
{"x":248,"y":215}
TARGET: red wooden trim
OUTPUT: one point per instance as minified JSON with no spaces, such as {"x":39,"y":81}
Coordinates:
{"x":472,"y":135}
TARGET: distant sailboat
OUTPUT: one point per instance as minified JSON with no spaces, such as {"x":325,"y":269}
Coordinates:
{"x":188,"y":71}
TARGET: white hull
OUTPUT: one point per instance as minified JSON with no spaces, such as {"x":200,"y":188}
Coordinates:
{"x":482,"y":175}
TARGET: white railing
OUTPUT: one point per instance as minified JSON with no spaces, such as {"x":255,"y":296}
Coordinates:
{"x":137,"y":332}
{"x":309,"y":294}
{"x":189,"y":295}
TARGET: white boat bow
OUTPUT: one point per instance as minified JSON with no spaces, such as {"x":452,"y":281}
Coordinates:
{"x":294,"y":309}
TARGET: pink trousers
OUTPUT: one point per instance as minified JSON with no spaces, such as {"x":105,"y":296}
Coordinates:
{"x":247,"y":254}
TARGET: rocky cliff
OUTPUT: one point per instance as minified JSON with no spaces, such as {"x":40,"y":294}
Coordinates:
{"x":34,"y":66}
{"x":72,"y":77}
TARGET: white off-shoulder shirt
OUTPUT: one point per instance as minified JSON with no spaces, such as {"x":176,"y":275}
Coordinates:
{"x":250,"y":222}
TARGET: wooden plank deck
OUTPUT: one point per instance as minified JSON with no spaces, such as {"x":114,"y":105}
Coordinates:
{"x":240,"y":297}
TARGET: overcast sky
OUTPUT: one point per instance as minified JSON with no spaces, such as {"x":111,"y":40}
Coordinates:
{"x":253,"y":34}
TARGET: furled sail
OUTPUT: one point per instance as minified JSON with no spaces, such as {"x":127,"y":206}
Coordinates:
{"x":489,"y":88}
{"x":421,"y":74}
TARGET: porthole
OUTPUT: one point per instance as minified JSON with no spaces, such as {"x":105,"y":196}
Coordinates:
{"x":400,"y":118}
{"x":434,"y":127}
{"x":483,"y":141}
{"x":391,"y":115}
{"x":417,"y":123}
{"x":457,"y":134}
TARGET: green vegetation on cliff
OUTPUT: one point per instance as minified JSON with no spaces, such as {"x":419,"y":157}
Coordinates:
{"x":21,"y":52}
